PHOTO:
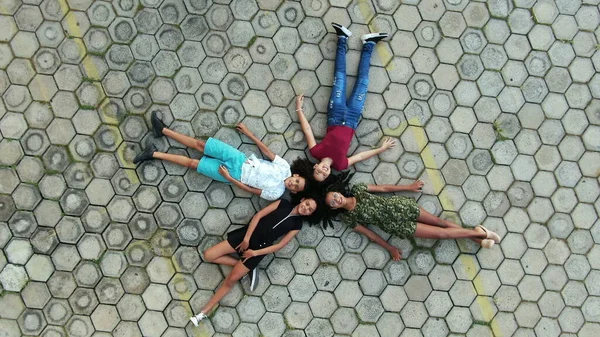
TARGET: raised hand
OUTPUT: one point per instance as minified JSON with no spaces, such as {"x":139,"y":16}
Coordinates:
{"x":299,"y":101}
{"x":417,"y":186}
{"x":388,"y":143}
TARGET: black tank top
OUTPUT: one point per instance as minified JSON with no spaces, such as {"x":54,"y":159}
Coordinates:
{"x":277,"y":223}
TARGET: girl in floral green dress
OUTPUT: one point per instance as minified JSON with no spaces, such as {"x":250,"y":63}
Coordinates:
{"x":397,"y":215}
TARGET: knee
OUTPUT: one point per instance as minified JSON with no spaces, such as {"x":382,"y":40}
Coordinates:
{"x":230,"y":281}
{"x":200,"y":145}
{"x":209,"y":256}
{"x":443,"y":234}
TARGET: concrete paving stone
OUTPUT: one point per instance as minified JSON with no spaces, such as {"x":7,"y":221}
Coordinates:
{"x":323,"y":304}
{"x":64,"y":104}
{"x":588,"y":310}
{"x":584,"y":216}
{"x":298,"y":315}
{"x":462,"y":293}
{"x":438,"y":304}
{"x":575,"y":123}
{"x":121,"y":208}
{"x":580,"y":241}
{"x":135,"y":280}
{"x":156,"y":297}
{"x":534,"y":89}
{"x":527,"y":142}
{"x":26,"y":197}
{"x":44,"y":240}
{"x":39,"y":267}
{"x":57,"y":311}
{"x":69,"y":229}
{"x":32,"y":321}
{"x":164,"y":242}
{"x":29,"y":169}
{"x":551,"y":304}
{"x":146,"y":199}
{"x":190,"y":232}
{"x":147,"y":20}
{"x":160,"y":270}
{"x":138,"y":253}
{"x":35,"y":295}
{"x":541,"y":37}
{"x":587,"y":18}
{"x":22,"y":224}
{"x":144,"y":47}
{"x":589,"y":329}
{"x":24,"y":44}
{"x":20,"y":71}
{"x":574,"y":293}
{"x":571,"y":320}
{"x":251,"y":309}
{"x":534,"y":262}
{"x":87,"y":274}
{"x":124,"y":182}
{"x":83,"y":301}
{"x":538,"y":64}
{"x":65,"y":257}
{"x":109,"y":291}
{"x":344,"y":320}
{"x":153,"y":323}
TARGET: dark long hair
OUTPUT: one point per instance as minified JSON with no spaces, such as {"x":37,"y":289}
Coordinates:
{"x":338,"y":183}
{"x":318,"y":215}
{"x":304,"y":168}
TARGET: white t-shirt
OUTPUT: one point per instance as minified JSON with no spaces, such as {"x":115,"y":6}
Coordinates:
{"x":269,"y":176}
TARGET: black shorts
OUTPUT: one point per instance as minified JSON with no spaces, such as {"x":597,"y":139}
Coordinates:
{"x":237,"y":236}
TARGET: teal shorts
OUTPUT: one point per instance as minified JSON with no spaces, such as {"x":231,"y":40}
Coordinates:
{"x":217,"y":153}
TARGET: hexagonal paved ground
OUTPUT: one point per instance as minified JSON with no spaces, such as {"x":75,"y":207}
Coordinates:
{"x":495,"y":105}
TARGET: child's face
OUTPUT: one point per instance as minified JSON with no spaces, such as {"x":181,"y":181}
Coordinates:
{"x":307,"y":206}
{"x":321,"y":171}
{"x":335,"y":199}
{"x":295,"y":183}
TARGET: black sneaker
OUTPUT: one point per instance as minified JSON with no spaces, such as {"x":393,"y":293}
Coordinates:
{"x":146,"y":155}
{"x":341,"y":30}
{"x":253,"y":279}
{"x":157,"y":125}
{"x":374,"y":37}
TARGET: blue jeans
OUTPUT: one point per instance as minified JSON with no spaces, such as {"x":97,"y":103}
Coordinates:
{"x":342,"y":111}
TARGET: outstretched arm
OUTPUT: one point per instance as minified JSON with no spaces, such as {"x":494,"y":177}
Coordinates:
{"x":414,"y":187}
{"x":263,"y":148}
{"x":394,"y":252}
{"x":306,"y":129}
{"x":387,"y":144}
{"x":271,"y":249}
{"x":225,"y":173}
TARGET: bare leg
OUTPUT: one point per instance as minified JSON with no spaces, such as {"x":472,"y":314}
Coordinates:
{"x":238,"y":271}
{"x":433,"y":232}
{"x":218,"y":254}
{"x":430,"y":219}
{"x":184,"y":139}
{"x":177,"y":159}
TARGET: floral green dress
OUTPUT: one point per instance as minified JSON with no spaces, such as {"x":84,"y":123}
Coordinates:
{"x":396,"y":215}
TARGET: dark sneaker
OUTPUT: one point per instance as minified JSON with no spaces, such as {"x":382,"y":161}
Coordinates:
{"x":374,"y":37}
{"x":253,"y":279}
{"x":146,"y":155}
{"x":341,"y":30}
{"x":157,"y":125}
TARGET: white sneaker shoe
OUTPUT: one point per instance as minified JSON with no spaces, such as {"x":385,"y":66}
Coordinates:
{"x":374,"y":37}
{"x":253,"y":279}
{"x":196,"y":319}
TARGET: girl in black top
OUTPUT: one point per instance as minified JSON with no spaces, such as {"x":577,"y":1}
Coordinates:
{"x":281,"y":218}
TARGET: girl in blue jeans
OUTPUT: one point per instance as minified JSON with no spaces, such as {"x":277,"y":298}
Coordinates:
{"x":342,"y":115}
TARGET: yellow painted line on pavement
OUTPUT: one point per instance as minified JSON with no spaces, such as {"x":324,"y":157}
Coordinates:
{"x":432,"y":171}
